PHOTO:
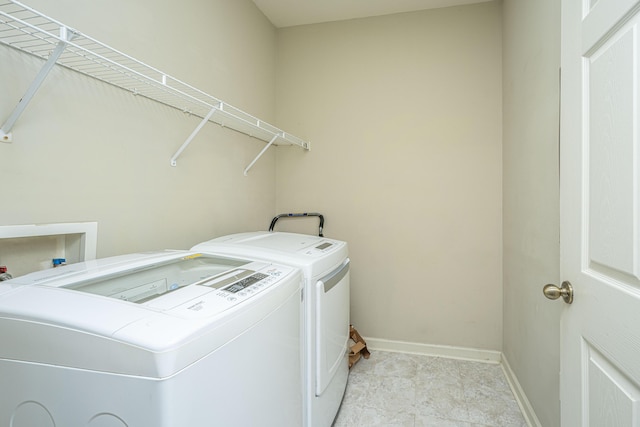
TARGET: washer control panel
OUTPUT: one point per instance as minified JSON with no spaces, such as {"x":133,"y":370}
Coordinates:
{"x":245,"y":283}
{"x":226,"y":291}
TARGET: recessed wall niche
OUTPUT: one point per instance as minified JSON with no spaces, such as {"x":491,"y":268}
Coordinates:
{"x":28,"y":248}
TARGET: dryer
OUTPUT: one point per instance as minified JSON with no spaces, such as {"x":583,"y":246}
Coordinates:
{"x":325,"y":266}
{"x":168,"y":339}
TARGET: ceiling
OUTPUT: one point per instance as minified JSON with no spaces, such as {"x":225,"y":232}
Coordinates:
{"x":287,"y":13}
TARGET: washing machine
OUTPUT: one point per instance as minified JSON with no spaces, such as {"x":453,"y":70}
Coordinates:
{"x":168,"y":339}
{"x":325,"y":266}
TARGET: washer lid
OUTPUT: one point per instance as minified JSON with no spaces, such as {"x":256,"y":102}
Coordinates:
{"x":103,"y":299}
{"x":147,"y":281}
{"x":150,"y":316}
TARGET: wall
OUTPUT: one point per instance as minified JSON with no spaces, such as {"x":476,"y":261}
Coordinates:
{"x":531,"y":58}
{"x":404,"y":117}
{"x":85,"y":151}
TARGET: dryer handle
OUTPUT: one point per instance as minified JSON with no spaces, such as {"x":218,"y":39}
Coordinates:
{"x":295,"y":215}
{"x":336,"y":276}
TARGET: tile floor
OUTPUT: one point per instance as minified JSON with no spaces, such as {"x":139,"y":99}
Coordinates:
{"x":406,"y":390}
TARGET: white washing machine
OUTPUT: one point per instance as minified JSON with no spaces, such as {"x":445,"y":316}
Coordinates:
{"x":325,"y":266}
{"x":171,"y":339}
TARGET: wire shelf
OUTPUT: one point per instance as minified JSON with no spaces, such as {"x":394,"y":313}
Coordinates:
{"x":28,"y":30}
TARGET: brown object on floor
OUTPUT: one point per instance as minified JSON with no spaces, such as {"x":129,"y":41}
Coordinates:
{"x":358,"y":349}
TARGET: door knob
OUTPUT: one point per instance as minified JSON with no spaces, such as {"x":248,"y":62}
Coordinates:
{"x":565,"y":291}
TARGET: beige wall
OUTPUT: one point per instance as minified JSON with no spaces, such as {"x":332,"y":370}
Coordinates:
{"x":531,"y":58}
{"x":85,"y":151}
{"x":404,"y":116}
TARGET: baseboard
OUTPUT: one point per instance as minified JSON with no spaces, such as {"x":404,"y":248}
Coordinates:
{"x":525,"y":406}
{"x":488,"y":356}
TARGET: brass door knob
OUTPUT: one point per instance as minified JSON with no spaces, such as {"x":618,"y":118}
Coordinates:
{"x":565,"y":291}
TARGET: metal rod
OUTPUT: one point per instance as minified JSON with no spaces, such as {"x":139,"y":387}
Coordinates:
{"x":246,"y":171}
{"x":35,"y":85}
{"x":193,"y":135}
{"x":302,"y":214}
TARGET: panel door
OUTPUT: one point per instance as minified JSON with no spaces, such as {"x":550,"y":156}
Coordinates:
{"x":600,"y":212}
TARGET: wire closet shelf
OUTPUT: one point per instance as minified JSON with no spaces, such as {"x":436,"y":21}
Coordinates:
{"x":30,"y":31}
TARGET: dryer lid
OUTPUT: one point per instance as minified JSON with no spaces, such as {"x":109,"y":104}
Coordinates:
{"x":314,"y":255}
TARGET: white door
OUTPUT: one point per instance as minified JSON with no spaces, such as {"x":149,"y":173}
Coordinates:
{"x":600,"y":212}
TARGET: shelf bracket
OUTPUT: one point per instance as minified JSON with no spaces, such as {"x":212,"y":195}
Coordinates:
{"x":5,"y":131}
{"x":193,"y":135}
{"x":275,"y":137}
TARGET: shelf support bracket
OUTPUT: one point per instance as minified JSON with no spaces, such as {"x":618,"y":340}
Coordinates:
{"x":5,"y":130}
{"x":275,"y":137}
{"x":193,"y":135}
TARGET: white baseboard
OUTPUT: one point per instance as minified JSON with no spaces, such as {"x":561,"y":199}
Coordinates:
{"x":478,"y":355}
{"x":525,"y":406}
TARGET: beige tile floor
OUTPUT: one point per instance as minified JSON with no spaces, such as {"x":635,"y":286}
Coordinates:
{"x":406,"y":390}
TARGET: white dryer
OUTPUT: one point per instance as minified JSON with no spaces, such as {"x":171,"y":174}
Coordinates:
{"x":169,"y":339}
{"x":325,"y":265}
